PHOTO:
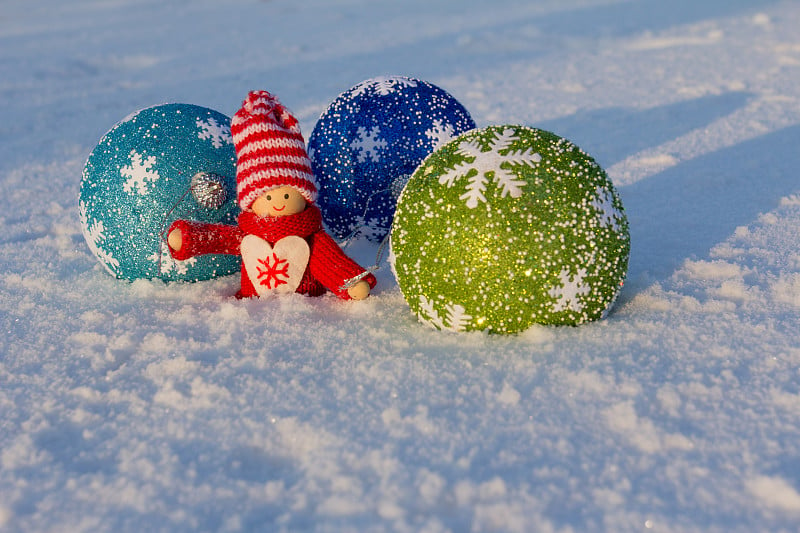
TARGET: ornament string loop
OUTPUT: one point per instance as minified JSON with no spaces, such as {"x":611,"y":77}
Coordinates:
{"x":395,"y":189}
{"x":208,"y":190}
{"x":348,"y":283}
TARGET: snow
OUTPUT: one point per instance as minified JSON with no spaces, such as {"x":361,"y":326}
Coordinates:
{"x":147,"y":406}
{"x":95,"y":234}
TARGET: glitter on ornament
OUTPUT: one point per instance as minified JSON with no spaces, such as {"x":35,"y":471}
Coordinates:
{"x":139,"y":174}
{"x":369,"y":140}
{"x":506,"y":227}
{"x":162,"y":163}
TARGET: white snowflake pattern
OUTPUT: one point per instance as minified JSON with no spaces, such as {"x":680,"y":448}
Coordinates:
{"x":139,"y":174}
{"x":368,"y":144}
{"x":569,"y":292}
{"x":429,"y":313}
{"x":218,"y":133}
{"x":455,"y":317}
{"x":607,"y":214}
{"x":95,"y":236}
{"x":610,"y":304}
{"x":398,"y":184}
{"x":483,"y":162}
{"x":440,"y":133}
{"x":370,"y":228}
{"x":383,"y":85}
{"x":166,"y":263}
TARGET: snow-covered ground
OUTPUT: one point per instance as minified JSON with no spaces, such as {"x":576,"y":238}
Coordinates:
{"x":150,"y":407}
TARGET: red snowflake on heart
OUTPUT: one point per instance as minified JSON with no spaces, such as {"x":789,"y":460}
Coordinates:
{"x":277,"y":272}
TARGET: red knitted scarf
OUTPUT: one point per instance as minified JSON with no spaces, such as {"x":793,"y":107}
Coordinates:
{"x":273,"y":229}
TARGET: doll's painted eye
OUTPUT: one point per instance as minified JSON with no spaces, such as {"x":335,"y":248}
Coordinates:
{"x":286,"y":196}
{"x":269,"y":197}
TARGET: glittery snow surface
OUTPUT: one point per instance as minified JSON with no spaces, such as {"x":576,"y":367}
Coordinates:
{"x":151,"y":406}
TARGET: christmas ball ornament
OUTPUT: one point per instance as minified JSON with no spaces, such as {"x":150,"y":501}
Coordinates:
{"x":160,"y":164}
{"x":509,"y":226}
{"x":369,"y":141}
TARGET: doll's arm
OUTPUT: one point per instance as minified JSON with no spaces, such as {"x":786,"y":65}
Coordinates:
{"x":187,"y":239}
{"x":329,"y":264}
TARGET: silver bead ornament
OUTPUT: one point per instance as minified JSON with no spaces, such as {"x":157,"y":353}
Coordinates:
{"x":208,"y":189}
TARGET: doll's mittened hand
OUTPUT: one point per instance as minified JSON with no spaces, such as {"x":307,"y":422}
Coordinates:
{"x":175,"y":239}
{"x":359,"y":291}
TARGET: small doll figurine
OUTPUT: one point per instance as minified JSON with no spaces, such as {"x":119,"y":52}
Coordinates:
{"x":279,"y":235}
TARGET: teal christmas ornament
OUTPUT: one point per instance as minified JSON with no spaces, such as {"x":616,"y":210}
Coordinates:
{"x":509,"y":226}
{"x":368,"y":142}
{"x":160,"y":164}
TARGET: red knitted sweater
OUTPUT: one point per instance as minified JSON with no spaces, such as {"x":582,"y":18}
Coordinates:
{"x":328,"y":266}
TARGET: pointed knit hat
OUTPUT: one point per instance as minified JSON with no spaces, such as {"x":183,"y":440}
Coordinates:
{"x":270,"y":150}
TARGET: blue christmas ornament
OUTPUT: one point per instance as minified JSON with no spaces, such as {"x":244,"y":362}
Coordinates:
{"x":370,"y":140}
{"x":162,"y":163}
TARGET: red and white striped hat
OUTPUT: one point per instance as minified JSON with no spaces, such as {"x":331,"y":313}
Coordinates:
{"x":270,"y":150}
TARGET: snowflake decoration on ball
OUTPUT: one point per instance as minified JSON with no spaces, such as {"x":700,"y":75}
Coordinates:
{"x":368,"y":144}
{"x":607,"y":214}
{"x":440,"y":133}
{"x":140,"y":173}
{"x":218,"y":133}
{"x":493,"y":162}
{"x":383,"y":85}
{"x":455,"y":318}
{"x":569,"y":293}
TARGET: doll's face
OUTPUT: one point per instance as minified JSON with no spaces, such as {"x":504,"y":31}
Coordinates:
{"x":279,"y":202}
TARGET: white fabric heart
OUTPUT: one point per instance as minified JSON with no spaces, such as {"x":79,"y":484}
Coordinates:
{"x":275,"y":269}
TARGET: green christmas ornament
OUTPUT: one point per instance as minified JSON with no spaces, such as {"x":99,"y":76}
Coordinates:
{"x":509,"y":226}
